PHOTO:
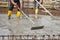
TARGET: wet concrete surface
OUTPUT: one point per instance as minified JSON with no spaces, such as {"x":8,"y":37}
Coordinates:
{"x":23,"y":25}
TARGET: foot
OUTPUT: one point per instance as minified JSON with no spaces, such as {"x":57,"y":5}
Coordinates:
{"x":18,"y":17}
{"x":9,"y":17}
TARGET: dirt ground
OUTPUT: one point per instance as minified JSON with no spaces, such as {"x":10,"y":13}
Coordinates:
{"x":31,"y":11}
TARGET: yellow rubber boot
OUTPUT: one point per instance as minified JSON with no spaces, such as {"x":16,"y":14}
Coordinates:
{"x":9,"y":14}
{"x":18,"y":14}
{"x":36,"y":12}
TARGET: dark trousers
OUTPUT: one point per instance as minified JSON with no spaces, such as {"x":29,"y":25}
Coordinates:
{"x":36,"y":5}
{"x":12,"y":6}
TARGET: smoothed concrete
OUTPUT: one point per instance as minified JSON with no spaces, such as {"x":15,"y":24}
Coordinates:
{"x":23,"y":26}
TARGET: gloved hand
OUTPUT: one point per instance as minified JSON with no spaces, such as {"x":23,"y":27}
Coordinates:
{"x":15,"y":5}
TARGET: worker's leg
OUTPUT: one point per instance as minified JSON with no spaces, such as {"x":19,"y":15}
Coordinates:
{"x":9,"y":14}
{"x":10,"y":10}
{"x":36,"y":10}
{"x":18,"y":14}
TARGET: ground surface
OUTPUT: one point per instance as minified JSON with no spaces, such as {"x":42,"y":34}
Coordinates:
{"x":23,"y":26}
{"x":31,"y":11}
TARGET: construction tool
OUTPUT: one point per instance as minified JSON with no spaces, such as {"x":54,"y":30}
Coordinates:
{"x":36,"y":28}
{"x":25,"y":14}
{"x":33,"y":28}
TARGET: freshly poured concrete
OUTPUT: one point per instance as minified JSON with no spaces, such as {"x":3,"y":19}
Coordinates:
{"x":23,"y":25}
